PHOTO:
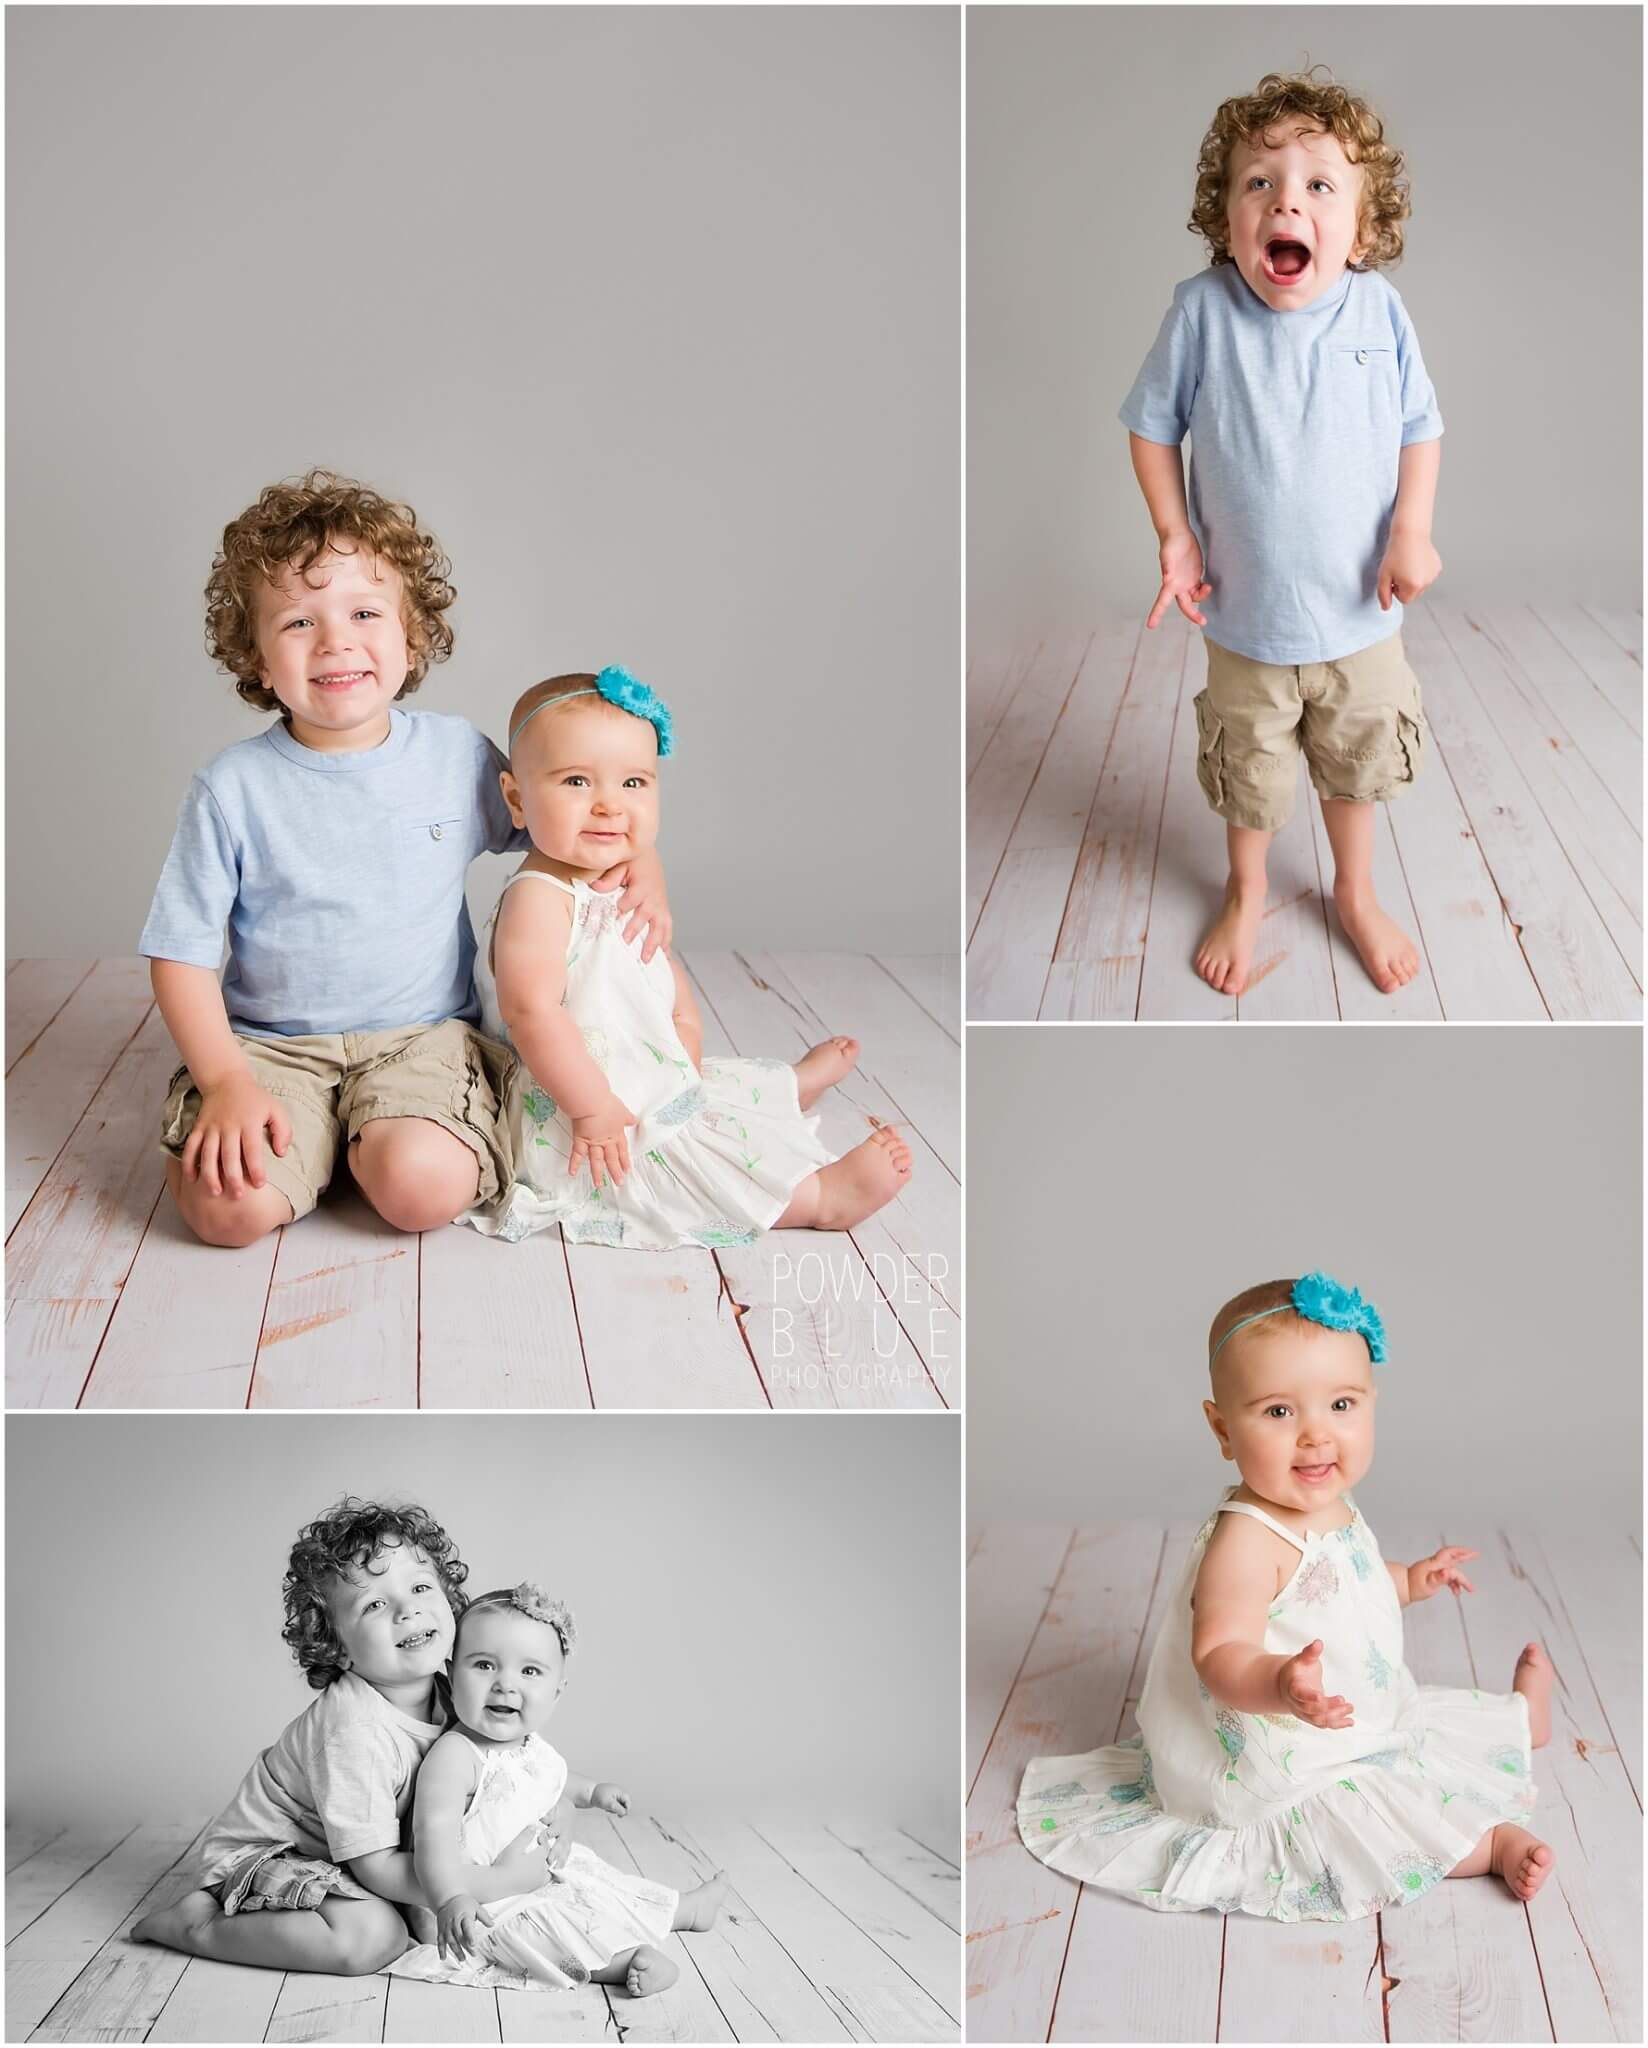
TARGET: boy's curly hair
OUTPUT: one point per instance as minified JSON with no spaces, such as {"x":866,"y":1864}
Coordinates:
{"x":1384,"y":202}
{"x":291,"y":526}
{"x":346,"y":1539}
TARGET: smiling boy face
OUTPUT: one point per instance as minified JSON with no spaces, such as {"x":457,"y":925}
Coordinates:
{"x":393,"y":1620}
{"x":1293,"y":213}
{"x":332,"y":647}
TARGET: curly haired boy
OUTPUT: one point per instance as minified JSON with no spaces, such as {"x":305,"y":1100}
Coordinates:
{"x":304,"y":1869}
{"x":1292,"y":364}
{"x":334,"y":848}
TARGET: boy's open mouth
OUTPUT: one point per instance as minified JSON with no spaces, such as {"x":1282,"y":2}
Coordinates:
{"x":1285,"y":261}
{"x":416,"y":1642}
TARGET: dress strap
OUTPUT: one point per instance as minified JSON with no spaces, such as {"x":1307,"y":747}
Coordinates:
{"x":1242,"y":1507}
{"x":538,"y":875}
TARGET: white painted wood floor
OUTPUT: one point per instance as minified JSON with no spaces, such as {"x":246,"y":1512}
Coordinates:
{"x":111,"y":1303}
{"x":1095,"y":865}
{"x":1059,"y":1626}
{"x":830,"y":1933}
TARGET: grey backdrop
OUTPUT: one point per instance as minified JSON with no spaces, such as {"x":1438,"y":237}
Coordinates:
{"x":768,"y":1609}
{"x":1482,"y":1186}
{"x":1522,"y":131}
{"x":650,"y":312}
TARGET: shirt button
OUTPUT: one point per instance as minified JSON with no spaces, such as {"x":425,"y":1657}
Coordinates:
{"x":435,"y":831}
{"x":1361,"y":355}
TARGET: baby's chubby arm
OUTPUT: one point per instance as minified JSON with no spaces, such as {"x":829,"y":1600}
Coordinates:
{"x":529,"y":962}
{"x":1234,"y":1589}
{"x":444,"y":1879}
{"x":596,"y":1793}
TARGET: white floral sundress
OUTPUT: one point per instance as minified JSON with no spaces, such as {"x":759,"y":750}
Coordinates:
{"x":552,"y":1938}
{"x":1261,"y":1813}
{"x":714,"y":1156}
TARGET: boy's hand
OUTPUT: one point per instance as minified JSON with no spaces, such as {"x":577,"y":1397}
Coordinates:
{"x":601,"y":1139}
{"x":1411,"y":565}
{"x":644,"y":901}
{"x":458,"y":1926}
{"x":1182,"y":579}
{"x":610,"y":1799}
{"x":1431,"y":1573}
{"x":1299,"y":1685}
{"x":225,"y":1148}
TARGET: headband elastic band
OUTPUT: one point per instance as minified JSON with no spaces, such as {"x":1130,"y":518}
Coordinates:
{"x":629,"y":693}
{"x":1319,"y":1298}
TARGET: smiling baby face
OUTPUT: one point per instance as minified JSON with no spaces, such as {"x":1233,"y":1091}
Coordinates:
{"x":1293,"y":1407}
{"x":1293,"y":213}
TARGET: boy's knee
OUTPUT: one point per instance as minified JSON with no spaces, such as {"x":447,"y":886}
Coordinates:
{"x":219,"y":1220}
{"x":417,"y":1175}
{"x":372,"y":1936}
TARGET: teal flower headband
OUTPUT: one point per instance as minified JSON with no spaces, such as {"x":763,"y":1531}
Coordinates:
{"x":1319,"y":1298}
{"x":629,"y":693}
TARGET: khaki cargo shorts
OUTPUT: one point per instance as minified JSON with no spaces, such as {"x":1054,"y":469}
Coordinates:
{"x":1358,"y":721}
{"x":332,"y":1084}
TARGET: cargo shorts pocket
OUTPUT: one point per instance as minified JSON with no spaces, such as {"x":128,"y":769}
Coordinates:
{"x":1210,"y":750}
{"x":1375,"y":763}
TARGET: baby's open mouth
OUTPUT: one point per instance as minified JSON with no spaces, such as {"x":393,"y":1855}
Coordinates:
{"x":1313,"y":1473}
{"x":503,"y":1710}
{"x":1286,"y":261}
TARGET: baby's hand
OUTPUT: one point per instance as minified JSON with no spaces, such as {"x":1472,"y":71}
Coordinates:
{"x":1299,"y":1683}
{"x":459,"y":1925}
{"x":1411,"y":565}
{"x":643,"y":902}
{"x":610,"y":1799}
{"x":1430,"y":1573}
{"x":600,"y":1138}
{"x":225,"y":1148}
{"x":1182,"y":579}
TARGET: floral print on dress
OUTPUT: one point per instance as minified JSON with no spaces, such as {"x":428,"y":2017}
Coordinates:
{"x":1379,"y":1673}
{"x":1320,"y":1899}
{"x":1509,"y":1760}
{"x":1317,"y":1583}
{"x":538,"y":1105}
{"x":1415,"y":1874}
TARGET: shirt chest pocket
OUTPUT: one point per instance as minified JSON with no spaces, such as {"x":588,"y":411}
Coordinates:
{"x":1362,"y":378}
{"x":434,"y":845}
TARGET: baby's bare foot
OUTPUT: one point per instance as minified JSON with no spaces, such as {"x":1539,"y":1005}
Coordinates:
{"x":650,"y":1970}
{"x":863,"y":1181}
{"x":1226,"y":954}
{"x":823,"y":1067}
{"x":697,"y":1910}
{"x":176,"y":1926}
{"x":1535,"y":1675}
{"x":1389,"y":955}
{"x":1521,"y":1859}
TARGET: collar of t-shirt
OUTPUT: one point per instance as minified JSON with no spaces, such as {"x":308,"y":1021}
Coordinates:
{"x":355,"y":761}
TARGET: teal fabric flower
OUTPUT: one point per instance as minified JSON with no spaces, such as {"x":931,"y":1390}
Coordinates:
{"x":1322,"y":1299}
{"x":630,"y":694}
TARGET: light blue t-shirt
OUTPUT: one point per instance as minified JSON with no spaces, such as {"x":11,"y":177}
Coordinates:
{"x":1297,"y":422}
{"x":340,"y":877}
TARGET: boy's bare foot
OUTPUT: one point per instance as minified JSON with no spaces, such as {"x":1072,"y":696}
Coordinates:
{"x":863,"y":1181}
{"x":697,"y":1909}
{"x":179,"y":1925}
{"x":1534,"y":1678}
{"x":1521,"y":1859}
{"x":649,"y":1970}
{"x":1226,"y":954}
{"x":823,"y":1067}
{"x":1389,"y":955}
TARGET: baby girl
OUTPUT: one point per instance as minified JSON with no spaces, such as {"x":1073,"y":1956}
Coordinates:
{"x":681,"y":1150}
{"x":1287,"y":1764}
{"x":492,"y":1775}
